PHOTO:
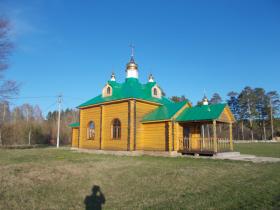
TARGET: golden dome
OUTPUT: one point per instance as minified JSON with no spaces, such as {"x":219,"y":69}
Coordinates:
{"x":131,"y":65}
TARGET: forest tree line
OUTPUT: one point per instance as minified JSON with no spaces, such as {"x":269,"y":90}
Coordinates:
{"x":26,"y":124}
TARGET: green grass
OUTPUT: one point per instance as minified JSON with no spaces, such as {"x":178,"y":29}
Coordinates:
{"x":259,"y":149}
{"x":62,"y":179}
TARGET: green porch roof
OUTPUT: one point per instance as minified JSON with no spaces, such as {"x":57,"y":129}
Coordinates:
{"x":131,"y":88}
{"x":201,"y":112}
{"x":164,"y":112}
{"x":74,"y":125}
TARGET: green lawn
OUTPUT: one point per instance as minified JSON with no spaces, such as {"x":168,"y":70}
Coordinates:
{"x":259,"y":149}
{"x":63,"y":179}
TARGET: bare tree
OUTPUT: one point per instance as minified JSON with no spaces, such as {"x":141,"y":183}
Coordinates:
{"x":8,"y":88}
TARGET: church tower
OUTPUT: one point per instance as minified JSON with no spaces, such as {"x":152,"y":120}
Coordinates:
{"x":132,"y":67}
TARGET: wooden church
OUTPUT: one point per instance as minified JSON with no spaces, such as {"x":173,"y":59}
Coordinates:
{"x":131,"y":116}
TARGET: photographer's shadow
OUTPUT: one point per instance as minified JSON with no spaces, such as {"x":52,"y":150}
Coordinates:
{"x":95,"y":200}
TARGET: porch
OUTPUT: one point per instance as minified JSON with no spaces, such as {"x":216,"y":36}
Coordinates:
{"x":206,"y":137}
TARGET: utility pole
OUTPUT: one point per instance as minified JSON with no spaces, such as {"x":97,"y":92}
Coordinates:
{"x":271,"y":118}
{"x":2,"y":123}
{"x":59,"y":100}
{"x":27,"y":119}
{"x":4,"y":112}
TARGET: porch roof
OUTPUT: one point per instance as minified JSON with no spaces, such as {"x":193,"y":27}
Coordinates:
{"x":74,"y":125}
{"x":201,"y":113}
{"x":164,"y":112}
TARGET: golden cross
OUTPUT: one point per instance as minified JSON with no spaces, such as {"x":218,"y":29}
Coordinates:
{"x":132,"y":49}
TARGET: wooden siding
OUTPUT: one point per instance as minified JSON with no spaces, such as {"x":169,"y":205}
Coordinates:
{"x":154,"y":136}
{"x":110,"y":112}
{"x":177,"y":129}
{"x":226,"y":116}
{"x":195,"y":136}
{"x":125,"y":110}
{"x":87,"y":115}
{"x":141,"y":110}
{"x":178,"y":136}
{"x":132,"y":125}
{"x":75,"y":137}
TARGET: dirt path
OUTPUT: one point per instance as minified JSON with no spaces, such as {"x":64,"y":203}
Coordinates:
{"x":244,"y":157}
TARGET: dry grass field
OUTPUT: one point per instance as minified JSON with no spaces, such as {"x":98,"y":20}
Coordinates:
{"x":48,"y":178}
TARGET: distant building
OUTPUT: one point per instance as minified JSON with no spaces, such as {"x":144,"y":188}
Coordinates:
{"x":133,"y":116}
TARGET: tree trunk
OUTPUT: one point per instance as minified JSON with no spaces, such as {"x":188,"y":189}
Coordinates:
{"x":264,"y":131}
{"x":251,"y":128}
{"x":252,"y":134}
{"x":29,"y":137}
{"x":237,"y":130}
{"x":271,"y":121}
{"x":242,"y":129}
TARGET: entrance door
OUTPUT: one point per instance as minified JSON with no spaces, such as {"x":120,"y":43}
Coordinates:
{"x":195,"y":137}
{"x":186,"y":137}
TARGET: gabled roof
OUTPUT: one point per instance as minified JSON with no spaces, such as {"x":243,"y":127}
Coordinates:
{"x":131,"y":88}
{"x":164,"y":112}
{"x":202,"y":112}
{"x":74,"y":125}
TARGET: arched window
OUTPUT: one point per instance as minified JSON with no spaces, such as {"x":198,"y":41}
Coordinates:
{"x":155,"y":92}
{"x":108,"y":91}
{"x":91,"y":130}
{"x":116,"y":129}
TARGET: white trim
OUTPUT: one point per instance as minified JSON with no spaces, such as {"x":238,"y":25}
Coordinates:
{"x":132,"y":73}
{"x":104,"y":91}
{"x":159,"y":94}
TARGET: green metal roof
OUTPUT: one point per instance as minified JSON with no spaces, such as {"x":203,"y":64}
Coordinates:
{"x":164,"y":112}
{"x":75,"y":124}
{"x":131,"y":88}
{"x":202,"y":112}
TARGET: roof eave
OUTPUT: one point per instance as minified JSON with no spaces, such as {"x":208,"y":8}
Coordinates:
{"x":156,"y":121}
{"x":120,"y":100}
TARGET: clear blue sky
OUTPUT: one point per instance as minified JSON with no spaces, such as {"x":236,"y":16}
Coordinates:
{"x":71,"y":47}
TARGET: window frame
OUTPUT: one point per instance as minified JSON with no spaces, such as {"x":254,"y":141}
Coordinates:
{"x":108,"y":90}
{"x":118,"y":129}
{"x":91,"y":136}
{"x":155,"y":91}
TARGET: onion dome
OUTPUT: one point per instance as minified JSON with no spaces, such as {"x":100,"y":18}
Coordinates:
{"x":132,"y":67}
{"x":151,"y":78}
{"x":205,"y":100}
{"x":113,"y":78}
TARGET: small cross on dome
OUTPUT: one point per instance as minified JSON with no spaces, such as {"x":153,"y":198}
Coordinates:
{"x":132,"y":48}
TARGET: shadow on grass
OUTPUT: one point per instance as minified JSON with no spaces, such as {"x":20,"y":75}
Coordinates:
{"x":95,"y":200}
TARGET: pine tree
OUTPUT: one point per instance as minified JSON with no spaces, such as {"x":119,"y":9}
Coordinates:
{"x":216,"y":99}
{"x":233,"y":103}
